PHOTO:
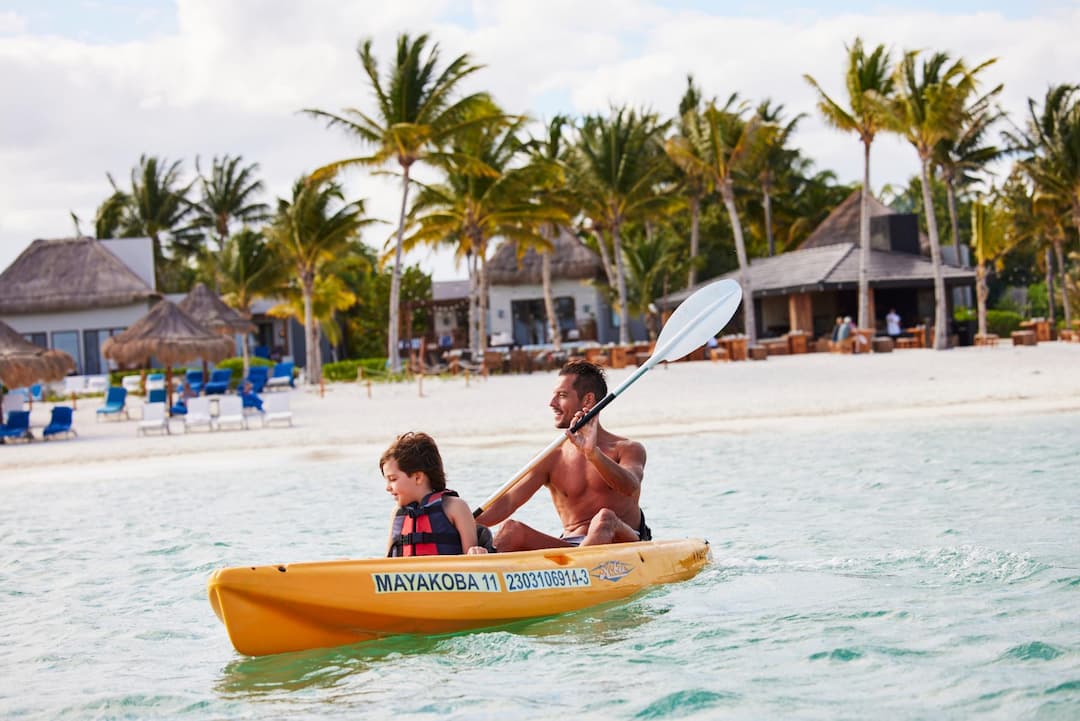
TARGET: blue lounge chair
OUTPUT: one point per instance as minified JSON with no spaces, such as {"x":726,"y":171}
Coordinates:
{"x":156,"y":395}
{"x":59,"y":423}
{"x":257,"y":377}
{"x":114,"y":403}
{"x":219,"y":382}
{"x":282,"y":376}
{"x":179,"y":408}
{"x":194,"y":380}
{"x":17,"y":426}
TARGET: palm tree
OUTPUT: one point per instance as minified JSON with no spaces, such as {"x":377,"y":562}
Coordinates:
{"x":309,"y":232}
{"x":229,"y":196}
{"x":550,"y":155}
{"x":992,"y":236}
{"x":249,"y":270}
{"x":728,"y":141}
{"x":330,"y":295}
{"x":964,"y":154}
{"x":1052,"y":143}
{"x":157,"y":206}
{"x":870,"y":84}
{"x":653,"y":258}
{"x":416,"y":115}
{"x":615,"y":166}
{"x":485,"y":195}
{"x":930,"y":103}
{"x":771,"y":158}
{"x":691,"y":138}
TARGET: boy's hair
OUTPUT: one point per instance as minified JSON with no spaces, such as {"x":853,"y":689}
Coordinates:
{"x":417,"y":452}
{"x":588,"y":378}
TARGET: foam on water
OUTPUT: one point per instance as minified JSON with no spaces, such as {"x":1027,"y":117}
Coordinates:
{"x":916,"y":571}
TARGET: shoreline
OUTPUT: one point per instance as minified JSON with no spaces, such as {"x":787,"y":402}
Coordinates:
{"x":783,"y":393}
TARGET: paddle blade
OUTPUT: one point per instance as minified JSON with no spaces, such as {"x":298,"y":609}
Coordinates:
{"x":698,"y":318}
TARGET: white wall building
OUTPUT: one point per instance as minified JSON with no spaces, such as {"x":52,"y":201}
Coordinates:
{"x":72,"y":294}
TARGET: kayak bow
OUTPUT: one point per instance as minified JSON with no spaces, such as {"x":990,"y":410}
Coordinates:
{"x":274,"y":609}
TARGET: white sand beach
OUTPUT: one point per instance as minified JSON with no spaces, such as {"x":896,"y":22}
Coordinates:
{"x":782,"y":392}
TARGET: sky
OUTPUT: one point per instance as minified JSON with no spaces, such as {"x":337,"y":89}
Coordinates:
{"x":90,"y":85}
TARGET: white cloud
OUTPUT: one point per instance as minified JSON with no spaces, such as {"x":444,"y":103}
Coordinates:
{"x":234,"y":75}
{"x":12,"y":23}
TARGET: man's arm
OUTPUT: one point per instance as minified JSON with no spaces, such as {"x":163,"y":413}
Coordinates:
{"x":515,"y":498}
{"x":622,"y":476}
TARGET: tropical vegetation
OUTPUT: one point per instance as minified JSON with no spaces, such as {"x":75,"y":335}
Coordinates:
{"x":664,"y":201}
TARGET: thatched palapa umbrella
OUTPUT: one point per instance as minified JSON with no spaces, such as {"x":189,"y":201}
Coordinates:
{"x":23,"y":363}
{"x":209,"y":310}
{"x":170,"y":335}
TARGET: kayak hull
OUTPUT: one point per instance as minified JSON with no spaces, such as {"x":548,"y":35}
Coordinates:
{"x":297,"y":606}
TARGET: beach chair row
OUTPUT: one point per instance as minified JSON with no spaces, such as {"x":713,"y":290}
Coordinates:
{"x":16,"y":425}
{"x":201,"y":414}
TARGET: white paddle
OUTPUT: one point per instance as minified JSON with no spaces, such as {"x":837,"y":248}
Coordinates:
{"x":698,"y":318}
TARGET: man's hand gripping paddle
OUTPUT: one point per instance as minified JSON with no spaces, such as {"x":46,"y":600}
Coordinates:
{"x":698,"y":318}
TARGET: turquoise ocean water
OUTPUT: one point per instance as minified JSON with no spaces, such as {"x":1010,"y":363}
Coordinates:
{"x":902,"y":570}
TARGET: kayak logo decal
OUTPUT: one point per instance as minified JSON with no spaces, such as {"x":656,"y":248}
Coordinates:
{"x":612,"y":571}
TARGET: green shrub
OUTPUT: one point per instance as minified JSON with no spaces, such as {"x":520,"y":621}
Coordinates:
{"x":346,"y":370}
{"x":1002,"y":322}
{"x":962,"y":315}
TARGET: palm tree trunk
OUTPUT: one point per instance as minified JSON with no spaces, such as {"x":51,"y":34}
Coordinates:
{"x":624,"y":312}
{"x":695,"y":238}
{"x":1049,"y":286}
{"x":482,"y":260}
{"x":246,"y":353}
{"x":395,"y":279}
{"x":1059,"y":252}
{"x":954,"y":222}
{"x":605,"y":258}
{"x":554,"y":336}
{"x":307,"y":282}
{"x":982,"y":292}
{"x":767,"y":202}
{"x":940,"y":329}
{"x":864,"y":243}
{"x":744,"y":265}
{"x":474,"y":299}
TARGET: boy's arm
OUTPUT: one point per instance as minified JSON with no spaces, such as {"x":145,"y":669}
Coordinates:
{"x":459,"y":514}
{"x":390,"y":535}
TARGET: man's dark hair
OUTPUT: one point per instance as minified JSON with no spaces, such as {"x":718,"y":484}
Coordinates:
{"x":588,"y":378}
{"x":417,"y":452}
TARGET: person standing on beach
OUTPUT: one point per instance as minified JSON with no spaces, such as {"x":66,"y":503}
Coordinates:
{"x":892,"y":324}
{"x":594,"y":480}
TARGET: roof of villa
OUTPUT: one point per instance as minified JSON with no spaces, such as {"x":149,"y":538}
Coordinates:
{"x":571,"y":259}
{"x":69,"y":274}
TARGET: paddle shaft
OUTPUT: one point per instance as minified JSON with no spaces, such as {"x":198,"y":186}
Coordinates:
{"x":657,"y":356}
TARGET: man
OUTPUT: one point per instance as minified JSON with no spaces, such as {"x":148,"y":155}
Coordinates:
{"x":594,"y":480}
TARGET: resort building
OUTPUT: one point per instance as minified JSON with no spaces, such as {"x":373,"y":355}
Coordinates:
{"x":806,"y":289}
{"x":516,"y":305}
{"x":71,"y":294}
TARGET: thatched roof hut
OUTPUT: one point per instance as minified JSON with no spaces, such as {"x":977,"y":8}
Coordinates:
{"x":210,"y":311}
{"x":842,"y":225}
{"x":170,"y":335}
{"x":571,"y":259}
{"x":69,"y":274}
{"x":23,"y":363}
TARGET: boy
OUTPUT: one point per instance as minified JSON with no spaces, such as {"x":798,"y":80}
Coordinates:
{"x":429,"y":520}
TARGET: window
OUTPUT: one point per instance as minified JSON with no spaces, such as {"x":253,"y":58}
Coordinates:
{"x":38,"y":339}
{"x":93,"y":340}
{"x":68,"y":341}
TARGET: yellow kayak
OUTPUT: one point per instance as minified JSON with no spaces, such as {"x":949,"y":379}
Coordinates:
{"x":273,"y":609}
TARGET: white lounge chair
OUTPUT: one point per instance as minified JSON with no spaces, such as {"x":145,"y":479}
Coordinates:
{"x":276,"y":408}
{"x":198,"y":414}
{"x":154,"y":418}
{"x":230,"y":412}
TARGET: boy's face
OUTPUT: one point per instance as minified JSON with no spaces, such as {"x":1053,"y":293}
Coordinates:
{"x":404,"y":488}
